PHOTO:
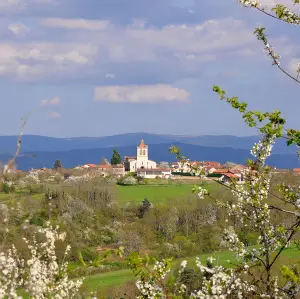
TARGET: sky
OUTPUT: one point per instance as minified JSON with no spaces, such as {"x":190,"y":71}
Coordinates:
{"x":106,"y":67}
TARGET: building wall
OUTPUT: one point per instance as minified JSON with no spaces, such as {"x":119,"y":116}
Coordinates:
{"x":142,"y":163}
{"x":152,"y":175}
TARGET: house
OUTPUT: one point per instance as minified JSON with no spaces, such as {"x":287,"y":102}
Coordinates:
{"x":164,"y":164}
{"x":132,"y":164}
{"x":89,"y":166}
{"x":153,"y":173}
{"x":212,"y":164}
{"x":296,"y":171}
{"x":218,"y":172}
{"x":238,"y":168}
{"x":182,"y":166}
{"x":175,"y":166}
{"x":118,"y":170}
{"x":228,"y":178}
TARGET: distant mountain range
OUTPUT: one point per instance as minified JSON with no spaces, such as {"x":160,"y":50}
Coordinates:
{"x":32,"y":143}
{"x":39,"y":151}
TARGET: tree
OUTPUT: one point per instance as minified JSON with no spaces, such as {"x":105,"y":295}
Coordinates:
{"x":116,"y":158}
{"x":254,"y":205}
{"x":57,"y":164}
{"x":144,"y":207}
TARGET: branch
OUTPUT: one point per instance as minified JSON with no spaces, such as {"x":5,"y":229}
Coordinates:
{"x":272,"y":16}
{"x":11,"y":162}
{"x":293,"y":227}
{"x":285,"y":211}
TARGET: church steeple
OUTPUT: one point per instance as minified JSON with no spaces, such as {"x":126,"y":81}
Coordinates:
{"x":142,"y":145}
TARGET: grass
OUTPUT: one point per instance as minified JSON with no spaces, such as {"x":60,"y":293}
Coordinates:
{"x":156,"y":193}
{"x":120,"y":277}
{"x":7,"y":198}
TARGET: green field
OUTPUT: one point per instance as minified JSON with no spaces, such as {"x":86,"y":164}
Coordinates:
{"x":156,"y":193}
{"x":120,"y":277}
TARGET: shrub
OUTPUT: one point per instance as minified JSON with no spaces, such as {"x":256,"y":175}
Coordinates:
{"x":8,"y":187}
{"x":127,"y":181}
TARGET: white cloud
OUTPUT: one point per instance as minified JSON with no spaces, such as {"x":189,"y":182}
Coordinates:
{"x":140,"y":94}
{"x":18,"y":29}
{"x":93,"y":25}
{"x":55,"y":101}
{"x":91,"y":51}
{"x":181,"y":41}
{"x":35,"y":61}
{"x":11,"y":5}
{"x":54,"y":115}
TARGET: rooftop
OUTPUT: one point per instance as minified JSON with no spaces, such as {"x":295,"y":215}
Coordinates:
{"x":142,"y":145}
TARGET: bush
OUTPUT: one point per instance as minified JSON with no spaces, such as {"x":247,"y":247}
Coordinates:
{"x":8,"y":187}
{"x":128,"y":181}
{"x":88,"y":254}
{"x":37,"y":220}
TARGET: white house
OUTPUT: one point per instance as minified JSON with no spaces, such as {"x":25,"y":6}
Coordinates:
{"x":154,"y":173}
{"x":141,"y":160}
{"x":183,"y":167}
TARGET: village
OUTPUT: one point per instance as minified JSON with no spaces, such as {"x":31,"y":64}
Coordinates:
{"x":141,"y":166}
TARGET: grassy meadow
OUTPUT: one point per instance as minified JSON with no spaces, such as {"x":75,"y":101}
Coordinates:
{"x":226,"y":259}
{"x":156,"y":192}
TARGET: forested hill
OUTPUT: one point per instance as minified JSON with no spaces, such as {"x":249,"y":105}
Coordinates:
{"x":157,"y":152}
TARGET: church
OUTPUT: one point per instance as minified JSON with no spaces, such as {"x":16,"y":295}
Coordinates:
{"x":141,"y":161}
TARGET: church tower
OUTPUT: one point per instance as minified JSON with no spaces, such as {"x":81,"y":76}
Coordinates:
{"x":142,"y":155}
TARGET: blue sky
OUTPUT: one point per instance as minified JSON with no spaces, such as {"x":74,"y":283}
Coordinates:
{"x":104,"y":67}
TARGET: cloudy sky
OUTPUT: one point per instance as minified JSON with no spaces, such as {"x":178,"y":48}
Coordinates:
{"x":104,"y":67}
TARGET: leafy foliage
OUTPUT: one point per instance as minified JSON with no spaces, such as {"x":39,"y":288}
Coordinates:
{"x":116,"y":158}
{"x":57,"y":165}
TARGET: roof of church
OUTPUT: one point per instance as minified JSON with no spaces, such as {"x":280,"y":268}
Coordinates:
{"x":142,"y":145}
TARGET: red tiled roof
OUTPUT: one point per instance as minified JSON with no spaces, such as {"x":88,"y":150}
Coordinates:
{"x":118,"y":166}
{"x":221,"y":171}
{"x":239,"y":166}
{"x":91,"y":165}
{"x":130,"y":157}
{"x":231,"y":175}
{"x":212,"y":163}
{"x":296,"y":169}
{"x":104,"y":166}
{"x":142,"y":145}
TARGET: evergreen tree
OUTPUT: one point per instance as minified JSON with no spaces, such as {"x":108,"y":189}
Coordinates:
{"x":144,"y":207}
{"x":116,"y":158}
{"x":57,"y":164}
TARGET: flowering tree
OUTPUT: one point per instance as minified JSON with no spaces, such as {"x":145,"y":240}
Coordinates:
{"x":254,"y":275}
{"x":40,"y":276}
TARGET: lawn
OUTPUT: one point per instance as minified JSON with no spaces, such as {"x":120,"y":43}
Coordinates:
{"x":117,"y":278}
{"x":156,"y":193}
